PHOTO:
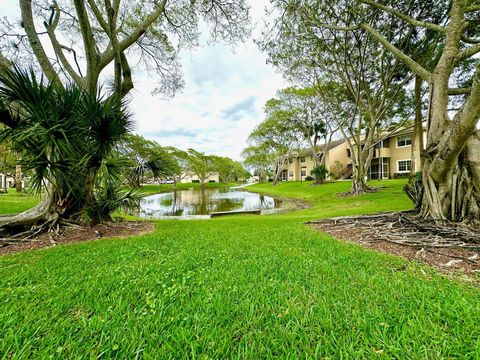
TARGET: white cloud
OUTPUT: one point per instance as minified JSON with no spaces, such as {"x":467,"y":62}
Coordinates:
{"x":222,"y":100}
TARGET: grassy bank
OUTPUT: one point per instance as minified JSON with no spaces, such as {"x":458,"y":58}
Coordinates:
{"x":13,"y":202}
{"x":241,"y":287}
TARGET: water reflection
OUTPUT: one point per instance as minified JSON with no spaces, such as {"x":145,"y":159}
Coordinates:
{"x":203,"y":202}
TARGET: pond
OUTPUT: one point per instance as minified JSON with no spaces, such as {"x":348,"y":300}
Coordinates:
{"x":195,"y":202}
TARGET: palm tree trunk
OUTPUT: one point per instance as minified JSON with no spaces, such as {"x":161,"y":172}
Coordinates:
{"x":18,"y":177}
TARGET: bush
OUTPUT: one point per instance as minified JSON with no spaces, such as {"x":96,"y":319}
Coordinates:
{"x":414,"y":189}
{"x":320,"y":173}
{"x":336,"y":170}
{"x":309,"y":178}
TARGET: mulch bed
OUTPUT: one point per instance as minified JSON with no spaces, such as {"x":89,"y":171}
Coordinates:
{"x":120,"y":229}
{"x":452,"y":249}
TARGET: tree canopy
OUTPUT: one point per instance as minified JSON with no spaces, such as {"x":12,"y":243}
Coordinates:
{"x":79,"y":40}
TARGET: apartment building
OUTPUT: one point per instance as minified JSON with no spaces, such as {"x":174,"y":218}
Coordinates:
{"x":300,"y":166}
{"x":8,"y":180}
{"x":392,"y":158}
{"x":191,"y":178}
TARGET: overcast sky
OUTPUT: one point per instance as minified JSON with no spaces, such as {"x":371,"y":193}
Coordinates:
{"x":221,"y":102}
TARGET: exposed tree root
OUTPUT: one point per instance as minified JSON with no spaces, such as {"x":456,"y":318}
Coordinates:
{"x":405,"y":229}
{"x":73,"y":234}
{"x":446,"y":246}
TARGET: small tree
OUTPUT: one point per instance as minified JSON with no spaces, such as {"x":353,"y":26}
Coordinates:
{"x":201,"y":165}
{"x":278,"y":135}
{"x":259,"y":159}
{"x":67,"y":138}
{"x":306,"y":110}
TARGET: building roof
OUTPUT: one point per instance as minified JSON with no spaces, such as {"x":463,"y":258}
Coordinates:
{"x":321,"y":148}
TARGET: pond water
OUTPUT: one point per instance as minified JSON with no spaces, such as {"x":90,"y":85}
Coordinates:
{"x":203,"y":202}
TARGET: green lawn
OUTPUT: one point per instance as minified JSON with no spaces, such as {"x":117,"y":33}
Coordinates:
{"x":14,"y":202}
{"x":238,"y":287}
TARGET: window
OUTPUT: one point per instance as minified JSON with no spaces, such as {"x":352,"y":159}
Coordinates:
{"x":404,"y":140}
{"x":404,"y":165}
{"x":304,"y":173}
{"x":290,"y":161}
{"x":290,"y":174}
{"x":302,"y":159}
{"x":382,"y":144}
{"x":349,"y":153}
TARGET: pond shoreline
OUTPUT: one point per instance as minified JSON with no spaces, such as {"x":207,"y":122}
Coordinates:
{"x":280,"y":205}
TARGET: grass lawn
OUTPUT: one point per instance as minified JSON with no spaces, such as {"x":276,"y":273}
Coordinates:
{"x":14,"y":202}
{"x":237,"y":287}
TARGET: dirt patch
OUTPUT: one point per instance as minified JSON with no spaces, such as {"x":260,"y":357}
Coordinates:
{"x":120,"y":229}
{"x":367,"y":191}
{"x":452,"y":249}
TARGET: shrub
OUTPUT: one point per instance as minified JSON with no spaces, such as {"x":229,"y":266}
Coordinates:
{"x":336,"y":170}
{"x":320,"y":173}
{"x":309,"y":178}
{"x":414,"y":189}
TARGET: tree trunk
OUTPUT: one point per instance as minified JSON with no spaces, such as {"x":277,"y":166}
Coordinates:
{"x":417,"y":138}
{"x":43,"y":212}
{"x":51,"y":210}
{"x":359,"y":185}
{"x":360,"y":167}
{"x":278,"y":171}
{"x":4,"y":178}
{"x":18,"y":178}
{"x":456,"y":196}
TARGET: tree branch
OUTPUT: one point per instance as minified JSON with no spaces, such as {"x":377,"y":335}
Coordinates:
{"x":469,"y":52}
{"x":89,"y":45}
{"x":37,"y":47}
{"x":459,"y":91}
{"x":412,"y":64}
{"x":406,"y":18}
{"x":51,"y":26}
{"x":472,"y":8}
{"x":109,"y":54}
{"x":99,"y":16}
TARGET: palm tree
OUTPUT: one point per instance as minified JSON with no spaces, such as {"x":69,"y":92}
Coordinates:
{"x":66,"y":137}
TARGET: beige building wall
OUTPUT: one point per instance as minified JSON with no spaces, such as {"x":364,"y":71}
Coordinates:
{"x":340,"y":154}
{"x":396,"y":157}
{"x":400,"y":153}
{"x":189,"y":177}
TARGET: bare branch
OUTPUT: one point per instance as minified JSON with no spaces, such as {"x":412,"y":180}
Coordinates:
{"x":57,"y":47}
{"x":469,"y":52}
{"x":412,"y":64}
{"x":459,"y":91}
{"x":472,"y":8}
{"x":406,"y":18}
{"x":109,"y":54}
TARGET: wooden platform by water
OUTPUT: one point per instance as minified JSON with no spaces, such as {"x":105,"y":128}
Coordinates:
{"x":241,"y":212}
